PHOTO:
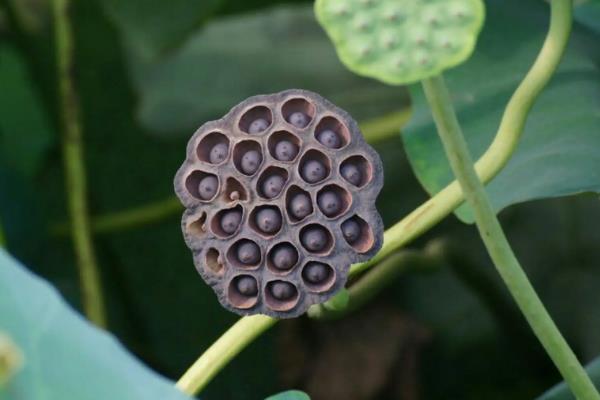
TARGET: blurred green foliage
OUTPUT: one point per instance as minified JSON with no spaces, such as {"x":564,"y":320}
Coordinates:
{"x":150,"y":72}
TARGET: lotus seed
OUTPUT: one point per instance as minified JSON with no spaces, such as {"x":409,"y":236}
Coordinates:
{"x":329,"y":139}
{"x":316,"y":272}
{"x":247,"y":286}
{"x":218,"y":153}
{"x":299,"y":119}
{"x":207,"y":188}
{"x":352,"y":174}
{"x":300,"y":205}
{"x":250,"y":162}
{"x":248,"y":253}
{"x":351,"y":231}
{"x":313,"y":171}
{"x":315,"y":238}
{"x":282,"y":290}
{"x":258,"y":126}
{"x":285,"y":150}
{"x":284,"y":256}
{"x":268,"y":220}
{"x":272,"y":186}
{"x":329,"y":203}
{"x":231,"y":220}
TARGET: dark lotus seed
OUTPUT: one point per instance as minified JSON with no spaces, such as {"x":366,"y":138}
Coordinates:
{"x":248,"y":253}
{"x":284,"y":256}
{"x":300,"y":205}
{"x":250,"y":162}
{"x":313,"y":171}
{"x":316,"y":272}
{"x":231,"y":220}
{"x":285,"y":150}
{"x":258,"y":125}
{"x":207,"y":188}
{"x":299,"y":119}
{"x":247,"y":286}
{"x":351,"y":231}
{"x":314,"y":238}
{"x":329,"y":139}
{"x":329,"y":203}
{"x":268,"y":220}
{"x":272,"y":186}
{"x":352,"y":174}
{"x":218,"y":153}
{"x":282,"y":290}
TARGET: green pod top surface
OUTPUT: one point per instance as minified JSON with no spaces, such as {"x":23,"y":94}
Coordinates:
{"x":401,"y":41}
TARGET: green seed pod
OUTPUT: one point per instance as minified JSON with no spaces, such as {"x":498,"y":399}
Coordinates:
{"x":401,"y":41}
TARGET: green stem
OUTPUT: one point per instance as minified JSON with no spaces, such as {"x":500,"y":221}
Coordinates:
{"x":366,"y":288}
{"x":495,"y":241}
{"x":234,"y":340}
{"x":74,"y":167}
{"x":2,"y":237}
{"x":501,"y":149}
{"x":497,"y":155}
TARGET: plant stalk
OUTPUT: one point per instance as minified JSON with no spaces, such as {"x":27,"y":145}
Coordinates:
{"x":72,"y":144}
{"x":234,"y":340}
{"x":497,"y":155}
{"x":496,"y":243}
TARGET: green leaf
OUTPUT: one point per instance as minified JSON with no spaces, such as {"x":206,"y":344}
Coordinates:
{"x":400,"y":42}
{"x":282,"y":48}
{"x":64,"y":356}
{"x":25,"y":132}
{"x":562,"y":392}
{"x":289,"y":395}
{"x":558,"y":153}
{"x":588,"y":14}
{"x":154,"y":26}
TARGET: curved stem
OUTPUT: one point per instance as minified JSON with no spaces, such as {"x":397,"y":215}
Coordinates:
{"x":234,"y":340}
{"x":74,"y":167}
{"x":495,"y":241}
{"x":501,"y":149}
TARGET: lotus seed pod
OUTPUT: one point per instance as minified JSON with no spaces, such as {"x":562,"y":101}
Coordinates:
{"x":285,"y":150}
{"x":351,"y":231}
{"x":329,"y":203}
{"x":313,"y":171}
{"x":248,"y":253}
{"x":330,"y":139}
{"x":272,"y":186}
{"x":218,"y":153}
{"x":258,"y":125}
{"x":268,"y":220}
{"x":314,"y":239}
{"x":284,"y":256}
{"x":231,"y":220}
{"x":352,"y":174}
{"x":299,"y":119}
{"x":208,"y":187}
{"x":251,"y":220}
{"x":401,"y":42}
{"x":300,"y":206}
{"x":315,"y":272}
{"x":282,"y":290}
{"x":251,"y":161}
{"x":247,"y":286}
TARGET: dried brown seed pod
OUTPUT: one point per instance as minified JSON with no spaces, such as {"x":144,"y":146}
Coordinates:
{"x":280,"y":196}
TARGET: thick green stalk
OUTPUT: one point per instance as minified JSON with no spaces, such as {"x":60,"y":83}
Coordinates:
{"x":494,"y":159}
{"x":74,"y":166}
{"x":497,"y":155}
{"x":234,"y":340}
{"x":495,"y":241}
